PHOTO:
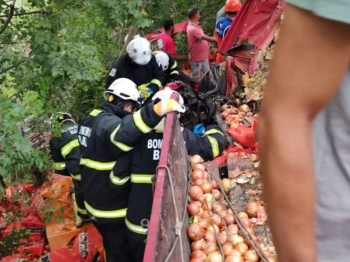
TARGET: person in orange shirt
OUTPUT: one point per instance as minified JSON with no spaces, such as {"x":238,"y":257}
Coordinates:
{"x":224,"y":23}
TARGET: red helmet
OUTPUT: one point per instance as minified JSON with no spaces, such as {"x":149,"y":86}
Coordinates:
{"x":233,"y":6}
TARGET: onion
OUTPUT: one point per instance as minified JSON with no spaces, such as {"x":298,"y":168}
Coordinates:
{"x":195,"y":232}
{"x":236,"y":253}
{"x":229,"y":211}
{"x":207,"y":214}
{"x":245,"y":108}
{"x":229,"y":219}
{"x":222,"y":213}
{"x":207,"y":198}
{"x":197,"y":259}
{"x":198,"y":182}
{"x":232,"y":229}
{"x":213,"y":228}
{"x":218,"y":207}
{"x":251,"y":256}
{"x":205,"y":222}
{"x":217,"y":220}
{"x":223,"y":237}
{"x":242,"y":214}
{"x":197,"y":245}
{"x":214,"y":257}
{"x":270,"y":259}
{"x":241,"y":247}
{"x":224,"y":107}
{"x":227,"y":248}
{"x":196,"y":159}
{"x":233,"y":259}
{"x":206,"y":175}
{"x":207,"y":188}
{"x":245,"y":221}
{"x":193,"y":209}
{"x":252,"y":208}
{"x":235,"y":239}
{"x":197,"y":218}
{"x":214,"y":184}
{"x":209,"y":236}
{"x":198,"y":166}
{"x":197,"y":173}
{"x":226,"y":184}
{"x":195,"y":192}
{"x":254,"y":157}
{"x":216,"y":194}
{"x":198,"y":254}
{"x":209,"y":247}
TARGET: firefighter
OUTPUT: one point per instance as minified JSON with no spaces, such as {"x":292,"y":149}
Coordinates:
{"x":65,"y":153}
{"x":104,"y":136}
{"x":223,"y":24}
{"x":141,"y":165}
{"x":170,"y":68}
{"x":140,"y":66}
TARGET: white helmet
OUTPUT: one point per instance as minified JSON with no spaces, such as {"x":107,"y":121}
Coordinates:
{"x":162,"y":59}
{"x":166,"y":93}
{"x":123,"y":88}
{"x":139,"y":50}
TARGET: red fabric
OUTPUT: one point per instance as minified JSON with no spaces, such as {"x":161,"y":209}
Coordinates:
{"x":221,"y":160}
{"x":58,"y":255}
{"x":86,"y":244}
{"x":244,"y":135}
{"x":17,"y":189}
{"x":33,"y":221}
{"x":198,"y":47}
{"x":33,"y":251}
{"x":166,"y":43}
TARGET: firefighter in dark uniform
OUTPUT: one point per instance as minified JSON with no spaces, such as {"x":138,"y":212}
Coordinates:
{"x":140,"y":66}
{"x":104,"y":136}
{"x":141,"y":165}
{"x":170,"y":68}
{"x":65,"y":153}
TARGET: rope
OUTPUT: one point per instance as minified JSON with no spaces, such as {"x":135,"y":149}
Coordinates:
{"x":239,"y":223}
{"x":178,"y":223}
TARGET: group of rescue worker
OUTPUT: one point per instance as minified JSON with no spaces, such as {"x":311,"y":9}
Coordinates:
{"x":112,"y":153}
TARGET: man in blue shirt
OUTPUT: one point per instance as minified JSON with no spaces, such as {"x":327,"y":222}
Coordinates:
{"x":224,"y":23}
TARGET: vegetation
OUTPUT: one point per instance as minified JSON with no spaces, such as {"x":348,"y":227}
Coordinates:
{"x":55,"y":55}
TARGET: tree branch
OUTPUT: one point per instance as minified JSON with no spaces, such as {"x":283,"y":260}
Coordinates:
{"x":30,"y":13}
{"x":9,"y":17}
{"x":132,"y":32}
{"x":11,"y":67}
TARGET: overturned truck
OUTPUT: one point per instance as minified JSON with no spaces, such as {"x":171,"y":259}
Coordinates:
{"x":239,"y":80}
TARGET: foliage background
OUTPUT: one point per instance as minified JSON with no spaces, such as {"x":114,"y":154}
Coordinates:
{"x":55,"y":55}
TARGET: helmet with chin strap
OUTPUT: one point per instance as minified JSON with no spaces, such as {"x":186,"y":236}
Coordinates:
{"x":62,"y":117}
{"x":123,"y":88}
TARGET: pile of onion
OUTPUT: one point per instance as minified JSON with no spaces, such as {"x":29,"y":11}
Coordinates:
{"x":236,"y":116}
{"x":213,"y":224}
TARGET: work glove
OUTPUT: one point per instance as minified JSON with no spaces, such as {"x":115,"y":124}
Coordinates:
{"x":168,"y":105}
{"x":145,"y":91}
{"x":163,"y":94}
{"x":198,"y":129}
